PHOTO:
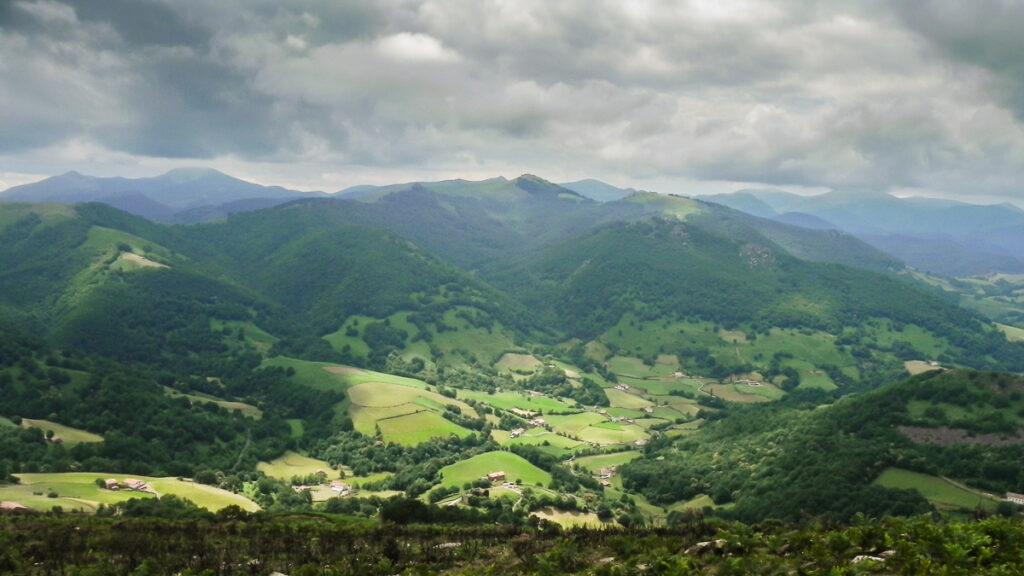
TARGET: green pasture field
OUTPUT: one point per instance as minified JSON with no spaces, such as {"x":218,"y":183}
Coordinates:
{"x":663,"y":386}
{"x":386,"y":395}
{"x":298,"y":430}
{"x":514,"y":466}
{"x":697,"y":503}
{"x":810,"y":375}
{"x":1013,"y":334}
{"x":605,"y":435}
{"x":255,"y":336}
{"x":247,"y":410}
{"x":629,"y":366}
{"x":593,"y":464}
{"x":573,"y":424}
{"x":417,"y":428}
{"x":338,"y":340}
{"x":942,"y":494}
{"x":621,"y":399}
{"x":625,"y":413}
{"x":745,"y":394}
{"x":70,"y":436}
{"x":295,"y":464}
{"x":510,"y":400}
{"x":312,"y":374}
{"x":467,"y":344}
{"x":364,"y":418}
{"x":883,"y":334}
{"x":5,"y":422}
{"x":78,"y":491}
{"x":522,"y":362}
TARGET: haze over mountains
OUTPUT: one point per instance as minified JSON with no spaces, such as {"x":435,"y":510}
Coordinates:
{"x":939,"y":236}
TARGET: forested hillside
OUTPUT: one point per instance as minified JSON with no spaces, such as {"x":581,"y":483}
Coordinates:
{"x":626,"y":362}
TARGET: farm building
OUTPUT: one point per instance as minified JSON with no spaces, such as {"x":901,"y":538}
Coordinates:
{"x":111,"y":484}
{"x":1015,"y":498}
{"x":340,"y":487}
{"x":134,"y":484}
{"x":538,"y":422}
{"x":496,"y":476}
{"x":12,"y":506}
{"x":516,"y":433}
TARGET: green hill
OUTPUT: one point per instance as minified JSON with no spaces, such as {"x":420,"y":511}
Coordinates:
{"x":790,"y":460}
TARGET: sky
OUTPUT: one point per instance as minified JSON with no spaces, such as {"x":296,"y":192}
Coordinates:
{"x":912,"y":97}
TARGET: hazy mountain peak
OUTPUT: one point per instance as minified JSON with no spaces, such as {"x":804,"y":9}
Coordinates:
{"x":191,"y":174}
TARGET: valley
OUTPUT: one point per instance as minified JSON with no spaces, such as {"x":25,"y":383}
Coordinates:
{"x":508,"y":350}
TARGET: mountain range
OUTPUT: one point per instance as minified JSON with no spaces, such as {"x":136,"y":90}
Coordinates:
{"x":938,"y":236}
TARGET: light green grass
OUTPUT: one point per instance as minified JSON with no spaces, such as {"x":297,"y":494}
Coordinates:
{"x":742,"y":393}
{"x":6,"y":422}
{"x":697,"y":503}
{"x":417,"y":428}
{"x":520,"y":362}
{"x":621,"y":399}
{"x":1013,"y":334}
{"x":298,"y":430}
{"x":294,"y":464}
{"x":70,"y":436}
{"x":593,"y":464}
{"x":626,"y":434}
{"x":811,"y":377}
{"x":510,"y":400}
{"x":254,"y":336}
{"x":339,"y":340}
{"x":575,"y":423}
{"x":515,"y":468}
{"x":942,"y":494}
{"x":78,"y":491}
{"x":312,"y":374}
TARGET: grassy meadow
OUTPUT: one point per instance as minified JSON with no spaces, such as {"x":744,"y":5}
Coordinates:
{"x":941,"y":493}
{"x":78,"y":491}
{"x":68,"y":435}
{"x":515,"y":467}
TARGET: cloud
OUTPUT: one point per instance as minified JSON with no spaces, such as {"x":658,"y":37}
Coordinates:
{"x":874,"y":95}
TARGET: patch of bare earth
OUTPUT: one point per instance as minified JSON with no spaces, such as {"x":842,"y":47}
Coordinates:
{"x":343,"y":370}
{"x":944,"y":436}
{"x":141,"y":260}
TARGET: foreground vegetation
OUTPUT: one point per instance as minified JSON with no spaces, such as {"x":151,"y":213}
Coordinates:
{"x":236,"y":543}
